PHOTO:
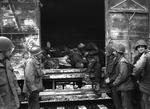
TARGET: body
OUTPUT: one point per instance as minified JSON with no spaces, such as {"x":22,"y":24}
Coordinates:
{"x":9,"y":88}
{"x":119,"y":79}
{"x":91,"y":52}
{"x":142,"y":69}
{"x":140,"y":49}
{"x":33,"y":78}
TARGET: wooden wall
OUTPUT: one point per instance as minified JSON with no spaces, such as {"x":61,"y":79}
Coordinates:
{"x":126,"y":22}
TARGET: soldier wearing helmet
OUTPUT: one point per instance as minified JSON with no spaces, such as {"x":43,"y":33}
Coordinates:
{"x":119,"y":48}
{"x":119,"y":79}
{"x":141,"y":72}
{"x":140,"y":43}
{"x":9,"y":88}
{"x":140,"y":46}
{"x":33,"y":77}
{"x":6,"y":46}
{"x":110,"y":57}
{"x":92,"y":53}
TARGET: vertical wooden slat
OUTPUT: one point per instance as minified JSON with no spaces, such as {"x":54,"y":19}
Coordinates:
{"x":106,"y":26}
{"x":149,"y":17}
{"x":15,"y":16}
{"x":0,"y":17}
{"x":106,"y":18}
{"x":38,"y":19}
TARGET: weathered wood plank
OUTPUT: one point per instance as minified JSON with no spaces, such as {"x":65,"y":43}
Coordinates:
{"x":132,"y":5}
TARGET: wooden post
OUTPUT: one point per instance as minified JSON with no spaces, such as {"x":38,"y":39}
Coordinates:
{"x":149,"y":16}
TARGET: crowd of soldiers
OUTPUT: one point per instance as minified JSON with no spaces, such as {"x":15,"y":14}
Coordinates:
{"x":129,"y":83}
{"x":10,"y":91}
{"x":84,"y":55}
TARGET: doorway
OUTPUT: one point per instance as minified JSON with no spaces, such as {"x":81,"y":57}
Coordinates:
{"x":67,"y":22}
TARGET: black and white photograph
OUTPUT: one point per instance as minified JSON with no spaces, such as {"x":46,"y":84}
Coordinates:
{"x":74,"y":54}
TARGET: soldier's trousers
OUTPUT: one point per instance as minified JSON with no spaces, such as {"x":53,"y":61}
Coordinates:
{"x":127,"y":100}
{"x":116,"y":98}
{"x":122,"y":99}
{"x":146,"y":101}
{"x":34,"y":101}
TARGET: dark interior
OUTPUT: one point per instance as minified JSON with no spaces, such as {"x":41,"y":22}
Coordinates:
{"x":67,"y":22}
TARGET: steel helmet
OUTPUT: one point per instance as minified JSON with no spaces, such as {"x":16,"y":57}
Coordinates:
{"x":109,"y":50}
{"x":6,"y":44}
{"x":119,"y":48}
{"x":81,"y":45}
{"x":140,"y":43}
{"x":36,"y":50}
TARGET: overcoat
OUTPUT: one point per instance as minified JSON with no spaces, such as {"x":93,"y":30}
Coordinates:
{"x":33,"y":76}
{"x":8,"y":87}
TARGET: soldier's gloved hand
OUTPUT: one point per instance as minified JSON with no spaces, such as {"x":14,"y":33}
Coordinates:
{"x":133,"y":74}
{"x":107,"y":80}
{"x":86,"y":53}
{"x":48,"y":56}
{"x":18,"y":91}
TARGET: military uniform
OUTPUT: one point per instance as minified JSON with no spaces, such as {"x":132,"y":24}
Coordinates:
{"x":137,"y":93}
{"x":9,"y":88}
{"x":91,"y":52}
{"x":120,"y":81}
{"x":33,"y":82}
{"x":77,"y":59}
{"x":142,"y":67}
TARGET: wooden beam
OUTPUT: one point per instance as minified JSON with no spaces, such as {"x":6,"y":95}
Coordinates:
{"x":13,"y":10}
{"x":149,"y":16}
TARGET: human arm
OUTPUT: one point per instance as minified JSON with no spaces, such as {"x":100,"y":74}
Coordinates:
{"x":30,"y":76}
{"x":123,"y":73}
{"x":15,"y":81}
{"x":139,"y":65}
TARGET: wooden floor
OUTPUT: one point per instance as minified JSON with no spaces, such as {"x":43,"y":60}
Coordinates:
{"x":84,"y":106}
{"x":79,"y":107}
{"x":72,"y":99}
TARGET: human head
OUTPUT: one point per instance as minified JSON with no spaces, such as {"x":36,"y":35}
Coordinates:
{"x":81,"y":45}
{"x":6,"y":46}
{"x":48,"y":44}
{"x":26,"y":54}
{"x":140,"y":46}
{"x":109,"y":50}
{"x":118,"y":49}
{"x":36,"y":52}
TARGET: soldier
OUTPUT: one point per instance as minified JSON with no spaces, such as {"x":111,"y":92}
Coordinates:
{"x":120,"y":81}
{"x":9,"y":88}
{"x":91,"y":52}
{"x":77,"y":60}
{"x":47,"y":50}
{"x":110,"y":57}
{"x":141,"y":70}
{"x":140,"y":48}
{"x":33,"y":78}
